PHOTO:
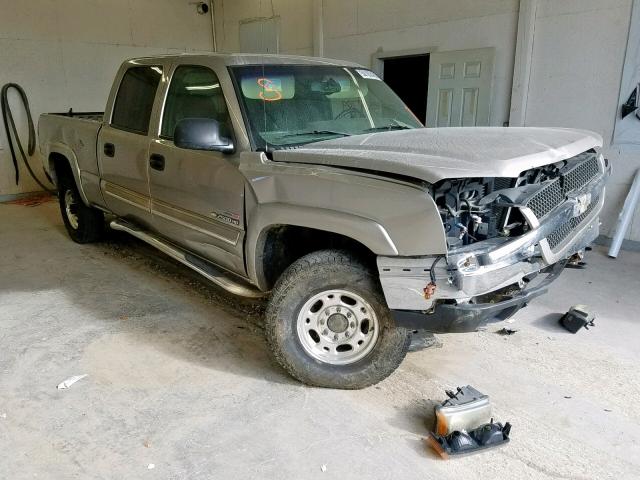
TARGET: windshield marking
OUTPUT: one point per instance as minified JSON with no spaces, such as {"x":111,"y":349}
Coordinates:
{"x":268,"y":86}
{"x":364,"y":103}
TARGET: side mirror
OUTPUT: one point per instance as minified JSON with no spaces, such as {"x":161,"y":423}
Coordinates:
{"x":201,"y":134}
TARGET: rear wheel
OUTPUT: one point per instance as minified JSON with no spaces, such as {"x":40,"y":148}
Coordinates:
{"x":327,"y":323}
{"x":84,"y":224}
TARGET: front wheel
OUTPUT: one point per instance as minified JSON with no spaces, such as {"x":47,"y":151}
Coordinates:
{"x":327,"y":323}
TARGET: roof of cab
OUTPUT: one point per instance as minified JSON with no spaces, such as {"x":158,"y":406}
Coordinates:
{"x":251,"y":59}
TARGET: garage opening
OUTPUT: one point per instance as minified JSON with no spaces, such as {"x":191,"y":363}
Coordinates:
{"x":409,"y":78}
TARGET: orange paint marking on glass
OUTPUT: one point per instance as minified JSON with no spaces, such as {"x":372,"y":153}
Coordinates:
{"x":267,"y":86}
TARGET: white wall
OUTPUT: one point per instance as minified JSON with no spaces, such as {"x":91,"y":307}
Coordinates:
{"x":64,"y":53}
{"x":576,"y":68}
{"x":295,"y":16}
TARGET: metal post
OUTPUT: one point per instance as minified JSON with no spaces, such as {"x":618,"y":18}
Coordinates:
{"x":626,"y":214}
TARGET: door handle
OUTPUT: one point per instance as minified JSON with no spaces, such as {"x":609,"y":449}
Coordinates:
{"x":156,"y":161}
{"x":109,"y":149}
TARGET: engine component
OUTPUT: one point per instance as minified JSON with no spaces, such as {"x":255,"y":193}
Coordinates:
{"x":466,"y":218}
{"x":476,"y":209}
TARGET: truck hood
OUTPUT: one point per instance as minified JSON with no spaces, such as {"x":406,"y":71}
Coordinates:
{"x":433,"y":154}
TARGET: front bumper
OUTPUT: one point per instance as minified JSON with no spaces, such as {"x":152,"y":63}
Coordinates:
{"x":479,"y":270}
{"x":468,"y":317}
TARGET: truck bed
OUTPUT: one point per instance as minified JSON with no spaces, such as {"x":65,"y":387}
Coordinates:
{"x":95,"y":116}
{"x":75,"y":131}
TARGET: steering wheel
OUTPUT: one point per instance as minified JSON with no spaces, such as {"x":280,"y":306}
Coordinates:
{"x":350,"y":110}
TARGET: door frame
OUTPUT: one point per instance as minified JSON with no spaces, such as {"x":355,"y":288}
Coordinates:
{"x":379,"y":56}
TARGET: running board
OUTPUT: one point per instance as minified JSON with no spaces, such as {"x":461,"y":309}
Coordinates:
{"x":195,"y":263}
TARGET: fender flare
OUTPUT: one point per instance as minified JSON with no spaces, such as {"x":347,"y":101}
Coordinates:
{"x":367,"y":232}
{"x":66,"y":152}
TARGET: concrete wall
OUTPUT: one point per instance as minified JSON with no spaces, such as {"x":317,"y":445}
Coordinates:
{"x":64,"y":53}
{"x":576,"y":69}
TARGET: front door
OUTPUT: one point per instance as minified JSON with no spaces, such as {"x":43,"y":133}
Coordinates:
{"x":123,"y":145}
{"x":197,"y":197}
{"x":460,"y":88}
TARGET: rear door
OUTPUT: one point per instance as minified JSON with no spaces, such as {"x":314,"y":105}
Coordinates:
{"x":460,"y":85}
{"x":123,"y":143}
{"x":197,"y":196}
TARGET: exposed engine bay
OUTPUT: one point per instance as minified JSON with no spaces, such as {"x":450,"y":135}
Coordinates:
{"x":467,"y":219}
{"x":476,"y":209}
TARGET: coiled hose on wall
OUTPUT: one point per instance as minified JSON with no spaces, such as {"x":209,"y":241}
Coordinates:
{"x":7,"y":118}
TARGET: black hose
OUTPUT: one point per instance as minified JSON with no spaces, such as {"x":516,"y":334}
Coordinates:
{"x":7,"y":118}
{"x":432,"y":271}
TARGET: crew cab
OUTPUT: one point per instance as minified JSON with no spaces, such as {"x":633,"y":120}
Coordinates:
{"x":309,"y":182}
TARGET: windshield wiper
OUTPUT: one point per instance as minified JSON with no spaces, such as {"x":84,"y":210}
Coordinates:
{"x":388,"y":127}
{"x":316,"y":132}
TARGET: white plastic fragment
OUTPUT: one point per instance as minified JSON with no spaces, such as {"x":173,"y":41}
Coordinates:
{"x":323,"y":468}
{"x":70,"y":381}
{"x":3,"y":415}
{"x":151,"y":466}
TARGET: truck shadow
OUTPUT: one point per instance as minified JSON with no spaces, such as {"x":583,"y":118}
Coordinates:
{"x":125,"y":289}
{"x":224,"y":332}
{"x":550,"y":323}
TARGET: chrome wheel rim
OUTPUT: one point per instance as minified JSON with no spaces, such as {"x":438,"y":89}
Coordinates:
{"x":337,"y":327}
{"x":70,"y":208}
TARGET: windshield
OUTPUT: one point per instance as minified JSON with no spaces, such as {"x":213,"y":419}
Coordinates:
{"x":289,"y":105}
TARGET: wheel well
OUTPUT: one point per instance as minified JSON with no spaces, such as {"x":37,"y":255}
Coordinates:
{"x":282,"y":245}
{"x":58,"y":167}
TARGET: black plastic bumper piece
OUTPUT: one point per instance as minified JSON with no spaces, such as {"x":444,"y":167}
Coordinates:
{"x":486,"y":436}
{"x":468,"y":317}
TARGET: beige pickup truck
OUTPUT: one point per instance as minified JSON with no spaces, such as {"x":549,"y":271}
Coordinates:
{"x":308,"y":181}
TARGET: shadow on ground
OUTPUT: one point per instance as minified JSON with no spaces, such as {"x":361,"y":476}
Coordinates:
{"x":135,"y":290}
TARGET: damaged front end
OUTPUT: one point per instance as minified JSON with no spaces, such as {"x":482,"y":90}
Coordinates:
{"x":507,"y":239}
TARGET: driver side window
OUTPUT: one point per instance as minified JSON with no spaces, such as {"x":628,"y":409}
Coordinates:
{"x":194,"y":92}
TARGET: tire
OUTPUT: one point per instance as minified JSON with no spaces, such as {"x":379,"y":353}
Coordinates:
{"x":84,"y":224}
{"x":356,"y":343}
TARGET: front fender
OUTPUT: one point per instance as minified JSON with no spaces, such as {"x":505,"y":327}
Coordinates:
{"x":371,"y":234}
{"x":390,"y":216}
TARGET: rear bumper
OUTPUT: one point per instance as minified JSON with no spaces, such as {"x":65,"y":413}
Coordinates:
{"x":468,"y":317}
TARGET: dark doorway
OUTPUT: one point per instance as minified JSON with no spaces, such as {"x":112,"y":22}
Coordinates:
{"x":409,"y":78}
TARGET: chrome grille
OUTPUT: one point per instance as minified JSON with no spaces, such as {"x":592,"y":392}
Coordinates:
{"x":546,"y":199}
{"x":581,"y":175}
{"x":565,"y":230}
{"x":552,"y":195}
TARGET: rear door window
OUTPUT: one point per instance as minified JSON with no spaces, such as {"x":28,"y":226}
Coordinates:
{"x":194,"y":92}
{"x":134,"y":101}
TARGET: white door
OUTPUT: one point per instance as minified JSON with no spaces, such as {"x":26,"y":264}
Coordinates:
{"x":460,"y":88}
